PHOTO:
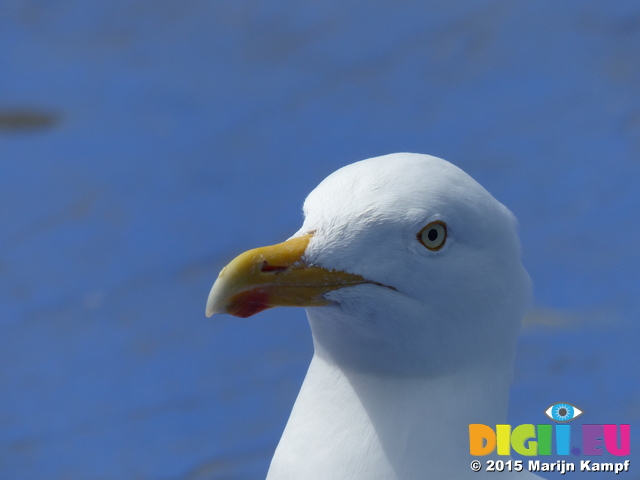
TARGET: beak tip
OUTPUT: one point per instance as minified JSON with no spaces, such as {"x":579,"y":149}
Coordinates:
{"x":213,"y":302}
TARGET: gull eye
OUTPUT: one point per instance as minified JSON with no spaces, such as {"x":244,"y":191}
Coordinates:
{"x":433,"y":235}
{"x":563,"y":412}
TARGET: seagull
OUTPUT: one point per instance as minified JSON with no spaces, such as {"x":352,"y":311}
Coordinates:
{"x":410,"y":274}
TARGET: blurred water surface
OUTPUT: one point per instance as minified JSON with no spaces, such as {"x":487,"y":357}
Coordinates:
{"x":145,"y":143}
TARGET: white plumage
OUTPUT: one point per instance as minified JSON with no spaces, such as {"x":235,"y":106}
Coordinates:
{"x":405,"y":361}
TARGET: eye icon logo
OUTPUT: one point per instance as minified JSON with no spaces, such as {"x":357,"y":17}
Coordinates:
{"x":563,"y":412}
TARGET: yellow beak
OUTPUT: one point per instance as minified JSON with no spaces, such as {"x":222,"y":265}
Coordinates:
{"x":274,"y":276}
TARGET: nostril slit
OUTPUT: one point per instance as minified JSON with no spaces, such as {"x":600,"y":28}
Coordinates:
{"x":271,"y":268}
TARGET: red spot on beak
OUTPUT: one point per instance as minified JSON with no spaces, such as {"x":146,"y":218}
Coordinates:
{"x":271,"y":268}
{"x":248,"y":303}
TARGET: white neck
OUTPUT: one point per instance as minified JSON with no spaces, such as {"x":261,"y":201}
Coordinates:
{"x":384,"y":427}
{"x":389,"y":399}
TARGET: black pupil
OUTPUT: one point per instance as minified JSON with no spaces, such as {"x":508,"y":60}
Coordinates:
{"x":433,"y":234}
{"x":562,"y":412}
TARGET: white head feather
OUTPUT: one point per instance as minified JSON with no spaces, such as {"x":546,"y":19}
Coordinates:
{"x":451,"y":306}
